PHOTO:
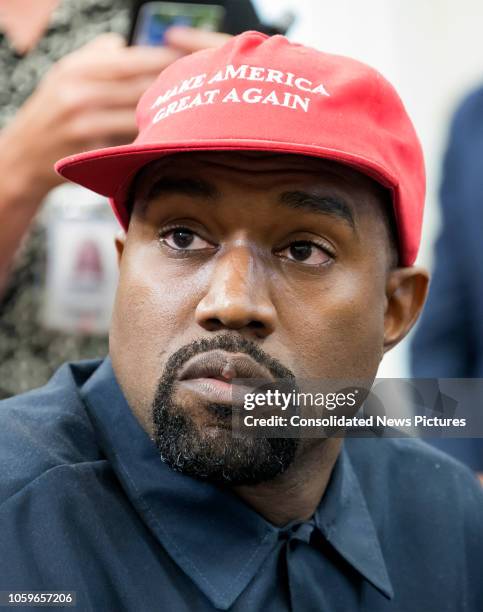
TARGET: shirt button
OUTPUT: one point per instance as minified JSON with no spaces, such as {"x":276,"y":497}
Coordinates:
{"x":303,"y":532}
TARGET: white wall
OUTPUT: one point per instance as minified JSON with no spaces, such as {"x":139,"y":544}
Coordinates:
{"x":430,"y":51}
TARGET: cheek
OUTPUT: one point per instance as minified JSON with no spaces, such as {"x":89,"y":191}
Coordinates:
{"x":337,"y":330}
{"x":150,"y":320}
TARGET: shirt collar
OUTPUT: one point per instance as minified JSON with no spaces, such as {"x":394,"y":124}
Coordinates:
{"x":210,"y":533}
{"x":344,"y":519}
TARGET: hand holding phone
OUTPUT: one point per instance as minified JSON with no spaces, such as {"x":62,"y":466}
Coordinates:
{"x":152,"y":20}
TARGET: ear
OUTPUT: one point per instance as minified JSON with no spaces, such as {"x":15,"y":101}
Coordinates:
{"x":119,"y":242}
{"x":406,"y":291}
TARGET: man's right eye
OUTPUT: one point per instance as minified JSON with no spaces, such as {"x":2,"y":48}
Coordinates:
{"x":184,"y":239}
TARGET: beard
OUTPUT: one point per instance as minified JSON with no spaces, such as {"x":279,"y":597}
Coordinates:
{"x":215,"y":454}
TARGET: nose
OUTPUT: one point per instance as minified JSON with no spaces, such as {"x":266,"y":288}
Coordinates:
{"x":238,"y":296}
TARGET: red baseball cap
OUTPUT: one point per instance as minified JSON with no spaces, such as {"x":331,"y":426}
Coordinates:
{"x":269,"y":94}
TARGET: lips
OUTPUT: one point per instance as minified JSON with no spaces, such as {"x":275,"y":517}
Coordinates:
{"x":213,"y":374}
{"x":224,"y":367}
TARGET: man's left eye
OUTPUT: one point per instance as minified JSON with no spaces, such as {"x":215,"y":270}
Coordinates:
{"x":306,"y":252}
{"x":184,"y":239}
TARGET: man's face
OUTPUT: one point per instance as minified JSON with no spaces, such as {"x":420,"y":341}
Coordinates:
{"x":245,"y":265}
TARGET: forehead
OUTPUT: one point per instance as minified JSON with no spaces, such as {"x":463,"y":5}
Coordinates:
{"x":257,"y":168}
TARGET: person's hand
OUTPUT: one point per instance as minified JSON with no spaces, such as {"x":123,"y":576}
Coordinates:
{"x":189,"y":40}
{"x":88,"y":100}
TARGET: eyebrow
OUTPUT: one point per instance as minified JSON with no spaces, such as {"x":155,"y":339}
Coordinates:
{"x":192,"y":187}
{"x":325,"y":205}
{"x":300,"y":200}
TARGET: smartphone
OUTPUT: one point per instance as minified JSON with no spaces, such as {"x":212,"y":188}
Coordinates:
{"x":152,"y":19}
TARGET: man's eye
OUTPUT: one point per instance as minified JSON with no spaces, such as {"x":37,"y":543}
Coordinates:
{"x":184,"y":239}
{"x":306,"y":252}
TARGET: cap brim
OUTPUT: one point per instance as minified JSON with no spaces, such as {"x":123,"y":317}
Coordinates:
{"x":110,"y":171}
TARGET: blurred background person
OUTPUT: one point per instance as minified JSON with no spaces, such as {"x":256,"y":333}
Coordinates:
{"x":65,"y":86}
{"x":448,"y":343}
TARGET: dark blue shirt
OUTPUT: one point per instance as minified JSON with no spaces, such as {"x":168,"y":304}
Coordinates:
{"x":86,"y":505}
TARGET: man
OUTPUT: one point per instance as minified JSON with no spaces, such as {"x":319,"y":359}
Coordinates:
{"x":448,"y":342}
{"x":272,"y":203}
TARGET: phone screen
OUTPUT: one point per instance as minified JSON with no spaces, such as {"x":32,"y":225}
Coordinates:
{"x":154,"y":18}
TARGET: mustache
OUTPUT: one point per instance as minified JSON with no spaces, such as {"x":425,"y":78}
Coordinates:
{"x":231,"y":343}
{"x":184,"y":448}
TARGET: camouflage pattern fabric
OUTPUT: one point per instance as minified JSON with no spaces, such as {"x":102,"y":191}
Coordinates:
{"x":29,"y":353}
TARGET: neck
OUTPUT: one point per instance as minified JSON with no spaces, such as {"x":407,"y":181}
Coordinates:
{"x":24,"y":33}
{"x":295,"y":494}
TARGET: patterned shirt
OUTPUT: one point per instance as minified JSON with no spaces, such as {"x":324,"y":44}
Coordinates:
{"x":30,"y":353}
